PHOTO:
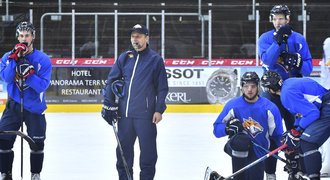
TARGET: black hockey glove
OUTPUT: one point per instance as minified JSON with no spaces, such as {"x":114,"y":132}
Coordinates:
{"x":282,"y":35}
{"x":293,"y":167}
{"x":110,"y":113}
{"x":292,"y":139}
{"x":16,"y":53}
{"x":292,"y":61}
{"x":24,"y":69}
{"x":233,"y":126}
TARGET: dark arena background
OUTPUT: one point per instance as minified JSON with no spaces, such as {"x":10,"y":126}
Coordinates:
{"x":200,"y":41}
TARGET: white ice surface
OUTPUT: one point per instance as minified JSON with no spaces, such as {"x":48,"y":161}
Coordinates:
{"x":82,"y":146}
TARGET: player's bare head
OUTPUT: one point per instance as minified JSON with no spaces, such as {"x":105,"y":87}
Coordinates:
{"x":271,"y":80}
{"x":250,"y":86}
{"x":280,"y":10}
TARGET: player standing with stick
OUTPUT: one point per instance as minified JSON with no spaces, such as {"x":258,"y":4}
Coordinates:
{"x":286,"y":52}
{"x":27,"y":72}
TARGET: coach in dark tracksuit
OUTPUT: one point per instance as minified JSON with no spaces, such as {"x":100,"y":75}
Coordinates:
{"x":142,"y":102}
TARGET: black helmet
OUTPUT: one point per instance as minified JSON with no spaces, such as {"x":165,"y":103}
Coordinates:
{"x":25,"y":26}
{"x":271,"y":80}
{"x":250,"y":77}
{"x":280,"y":9}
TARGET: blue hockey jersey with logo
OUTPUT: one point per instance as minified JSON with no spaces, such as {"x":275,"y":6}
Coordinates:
{"x":269,"y":52}
{"x":37,"y":83}
{"x":261,"y":120}
{"x":145,"y":85}
{"x":302,"y":97}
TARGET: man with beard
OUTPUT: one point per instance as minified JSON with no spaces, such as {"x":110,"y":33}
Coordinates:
{"x":250,"y":121}
{"x":140,"y":76}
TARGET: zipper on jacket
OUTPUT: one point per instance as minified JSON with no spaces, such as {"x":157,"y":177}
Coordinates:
{"x":130,"y":85}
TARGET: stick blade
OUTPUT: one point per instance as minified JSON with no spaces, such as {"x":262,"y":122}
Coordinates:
{"x":212,"y":175}
{"x":30,"y":141}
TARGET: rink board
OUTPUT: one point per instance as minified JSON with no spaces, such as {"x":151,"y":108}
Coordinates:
{"x":191,"y":108}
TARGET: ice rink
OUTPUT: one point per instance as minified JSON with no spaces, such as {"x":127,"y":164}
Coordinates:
{"x":82,"y":146}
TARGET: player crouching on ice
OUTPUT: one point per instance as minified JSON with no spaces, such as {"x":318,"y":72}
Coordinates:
{"x":310,"y":103}
{"x":250,"y":121}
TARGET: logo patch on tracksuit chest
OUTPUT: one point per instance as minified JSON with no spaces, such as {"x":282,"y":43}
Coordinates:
{"x":253,"y":127}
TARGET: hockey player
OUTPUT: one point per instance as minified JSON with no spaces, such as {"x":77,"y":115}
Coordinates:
{"x":246,"y":119}
{"x":325,"y":82}
{"x":310,"y":103}
{"x":325,"y":64}
{"x":284,"y":51}
{"x":27,"y":72}
{"x":142,"y":103}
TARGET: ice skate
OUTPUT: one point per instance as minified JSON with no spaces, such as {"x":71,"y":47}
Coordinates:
{"x":270,"y":176}
{"x":6,"y":176}
{"x":35,"y":176}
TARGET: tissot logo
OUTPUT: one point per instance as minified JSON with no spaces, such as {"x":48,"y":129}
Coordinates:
{"x":183,"y":73}
{"x":177,"y":97}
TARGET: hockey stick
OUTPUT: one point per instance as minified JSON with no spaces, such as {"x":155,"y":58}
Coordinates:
{"x":113,"y":123}
{"x":251,"y":164}
{"x":281,"y":159}
{"x":121,"y":152}
{"x":274,"y":155}
{"x":22,"y":120}
{"x":31,"y":142}
{"x":115,"y":92}
{"x":287,"y":51}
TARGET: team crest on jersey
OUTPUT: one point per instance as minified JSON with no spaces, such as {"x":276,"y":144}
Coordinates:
{"x":252,"y":126}
{"x":298,"y":115}
{"x":130,"y":54}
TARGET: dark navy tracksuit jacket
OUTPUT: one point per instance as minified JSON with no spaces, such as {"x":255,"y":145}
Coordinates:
{"x":145,"y":90}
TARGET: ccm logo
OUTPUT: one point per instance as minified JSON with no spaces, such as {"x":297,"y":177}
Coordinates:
{"x":80,"y":62}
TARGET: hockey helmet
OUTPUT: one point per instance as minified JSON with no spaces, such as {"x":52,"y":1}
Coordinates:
{"x":25,"y":26}
{"x":117,"y":88}
{"x":280,"y":9}
{"x":250,"y":77}
{"x":272,"y":80}
{"x":238,"y":145}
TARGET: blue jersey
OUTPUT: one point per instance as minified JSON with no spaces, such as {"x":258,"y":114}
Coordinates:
{"x":145,"y":80}
{"x":302,"y":97}
{"x":269,"y":52}
{"x":37,"y":83}
{"x":261,"y":120}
